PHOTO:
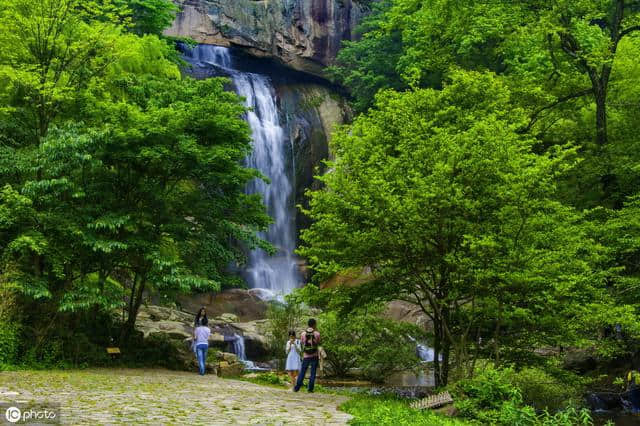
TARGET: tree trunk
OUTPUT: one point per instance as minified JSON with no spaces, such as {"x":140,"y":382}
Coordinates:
{"x":496,"y":336}
{"x":600,"y":93}
{"x":441,"y":348}
{"x":134,"y":305}
{"x":437,"y":350}
{"x":445,"y":363}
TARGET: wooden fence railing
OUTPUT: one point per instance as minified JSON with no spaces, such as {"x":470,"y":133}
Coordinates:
{"x":433,"y":401}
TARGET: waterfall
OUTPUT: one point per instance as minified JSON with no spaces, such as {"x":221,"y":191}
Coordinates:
{"x":237,"y":341}
{"x":272,"y":155}
{"x":238,"y":347}
{"x":424,"y":352}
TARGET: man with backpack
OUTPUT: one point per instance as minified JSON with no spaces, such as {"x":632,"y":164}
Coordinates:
{"x":633,"y":387}
{"x":310,"y":340}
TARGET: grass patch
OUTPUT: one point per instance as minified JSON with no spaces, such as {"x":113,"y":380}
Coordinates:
{"x":265,"y":379}
{"x":370,"y":410}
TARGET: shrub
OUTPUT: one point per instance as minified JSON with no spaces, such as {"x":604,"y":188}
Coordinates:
{"x":368,"y":410}
{"x":9,"y":342}
{"x":339,"y":344}
{"x":9,"y":326}
{"x":282,"y":317}
{"x":546,"y":392}
{"x":158,"y":350}
{"x":491,"y":397}
{"x":483,"y":396}
{"x":379,"y":347}
{"x":68,"y":340}
{"x":271,"y":379}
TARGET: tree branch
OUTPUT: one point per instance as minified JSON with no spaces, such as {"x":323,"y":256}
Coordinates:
{"x":534,"y":117}
{"x":628,"y":31}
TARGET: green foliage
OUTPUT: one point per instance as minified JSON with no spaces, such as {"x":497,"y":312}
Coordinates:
{"x":544,"y":391}
{"x":363,"y":340}
{"x":271,"y":379}
{"x":118,"y":176}
{"x":391,"y":411}
{"x":10,"y":327}
{"x":281,"y":318}
{"x":157,"y":351}
{"x":453,"y":210}
{"x":9,"y":341}
{"x":484,"y":396}
{"x":64,"y":340}
{"x":50,"y":54}
{"x":151,"y":16}
{"x":570,"y":64}
{"x":369,"y":64}
{"x":492,"y":398}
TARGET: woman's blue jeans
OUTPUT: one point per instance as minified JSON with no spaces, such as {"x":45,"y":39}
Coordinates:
{"x":201,"y":353}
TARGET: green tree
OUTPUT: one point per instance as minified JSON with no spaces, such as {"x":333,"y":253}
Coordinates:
{"x":448,"y":204}
{"x":369,"y":64}
{"x":117,"y":174}
{"x":569,"y":64}
{"x":150,"y":16}
{"x":564,"y":49}
{"x":283,"y":317}
{"x":362,"y":339}
{"x":49,"y":55}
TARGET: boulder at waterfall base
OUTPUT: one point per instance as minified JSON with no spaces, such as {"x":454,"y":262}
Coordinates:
{"x":226,"y":369}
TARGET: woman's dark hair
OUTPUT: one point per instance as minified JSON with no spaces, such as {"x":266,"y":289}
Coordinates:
{"x":311,"y":322}
{"x":292,"y":333}
{"x":199,"y":319}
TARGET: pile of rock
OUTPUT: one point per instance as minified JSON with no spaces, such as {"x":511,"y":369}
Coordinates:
{"x":167,"y":325}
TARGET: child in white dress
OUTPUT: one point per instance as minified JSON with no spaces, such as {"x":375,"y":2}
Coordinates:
{"x":293,"y":357}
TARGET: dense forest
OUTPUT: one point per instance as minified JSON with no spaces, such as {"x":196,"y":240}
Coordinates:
{"x":118,"y":173}
{"x":490,"y":176}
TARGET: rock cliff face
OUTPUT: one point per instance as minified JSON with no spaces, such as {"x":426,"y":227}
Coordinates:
{"x":310,"y":113}
{"x":302,"y":34}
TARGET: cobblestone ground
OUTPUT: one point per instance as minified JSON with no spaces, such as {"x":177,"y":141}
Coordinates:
{"x":110,"y":396}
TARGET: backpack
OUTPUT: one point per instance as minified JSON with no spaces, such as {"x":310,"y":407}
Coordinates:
{"x":310,"y":345}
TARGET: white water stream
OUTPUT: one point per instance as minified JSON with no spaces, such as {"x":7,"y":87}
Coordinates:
{"x":272,"y":156}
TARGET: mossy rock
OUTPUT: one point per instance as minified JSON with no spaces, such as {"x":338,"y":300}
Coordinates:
{"x":226,"y":369}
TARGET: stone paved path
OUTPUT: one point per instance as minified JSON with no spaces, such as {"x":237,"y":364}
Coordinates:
{"x":117,"y":396}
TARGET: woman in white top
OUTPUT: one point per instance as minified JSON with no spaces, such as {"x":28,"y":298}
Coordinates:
{"x":293,"y":357}
{"x":202,"y":334}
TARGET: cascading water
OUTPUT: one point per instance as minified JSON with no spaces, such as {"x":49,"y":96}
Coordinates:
{"x":424,"y":352}
{"x":272,"y":156}
{"x":237,"y":341}
{"x":238,"y":347}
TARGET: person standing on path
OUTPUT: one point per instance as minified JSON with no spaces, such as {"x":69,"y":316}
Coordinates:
{"x":310,"y":341}
{"x":633,"y":387}
{"x":202,"y":334}
{"x":293,"y":357}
